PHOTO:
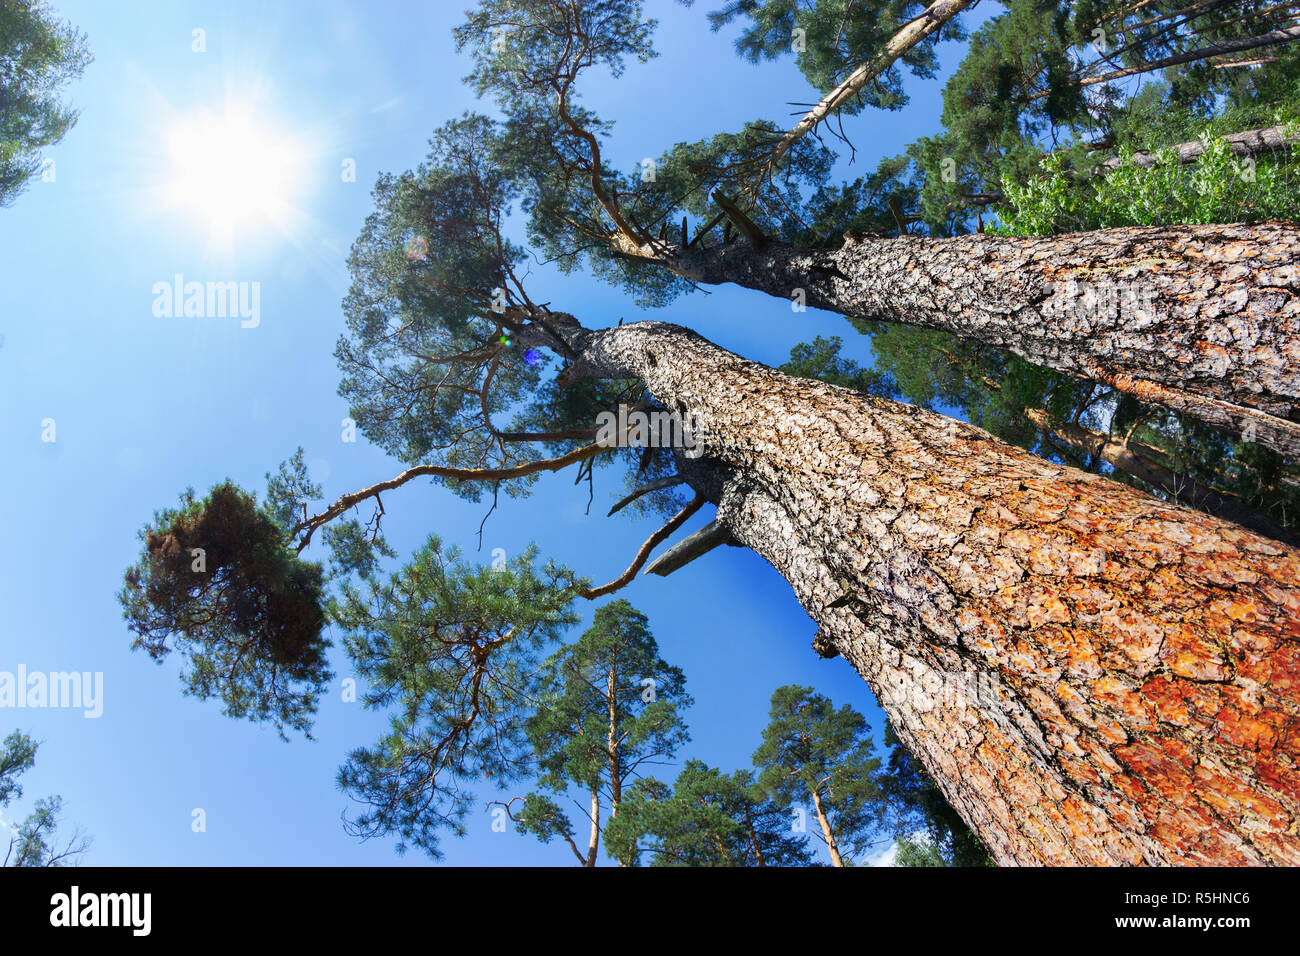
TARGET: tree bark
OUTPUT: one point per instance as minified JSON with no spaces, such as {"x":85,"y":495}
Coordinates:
{"x":612,"y":748}
{"x":1206,"y":319}
{"x":1091,"y":675}
{"x":593,"y":842}
{"x":1272,"y":38}
{"x":752,"y":834}
{"x":1251,"y":142}
{"x":827,"y":834}
{"x":1149,"y":465}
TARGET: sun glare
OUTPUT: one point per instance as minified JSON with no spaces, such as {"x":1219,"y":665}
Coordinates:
{"x":231,"y":171}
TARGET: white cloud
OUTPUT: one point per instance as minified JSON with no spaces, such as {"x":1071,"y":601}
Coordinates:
{"x":885,"y":857}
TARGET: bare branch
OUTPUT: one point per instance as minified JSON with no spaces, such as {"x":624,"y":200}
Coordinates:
{"x":645,"y":490}
{"x":439,"y":471}
{"x":651,"y":543}
{"x":689,"y":548}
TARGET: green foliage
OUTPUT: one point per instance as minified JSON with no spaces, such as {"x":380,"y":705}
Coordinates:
{"x":218,"y":581}
{"x":611,"y":681}
{"x":1017,"y":95}
{"x":917,"y":851}
{"x":813,"y":752}
{"x":451,"y":651}
{"x":17,"y":756}
{"x":525,"y":52}
{"x":837,"y":36}
{"x":552,"y":144}
{"x":289,"y":490}
{"x":431,"y":277}
{"x":543,"y":818}
{"x":1218,"y":187}
{"x":354,"y":549}
{"x":821,"y":360}
{"x":516,"y":43}
{"x":1163,"y":112}
{"x":608,"y":706}
{"x":33,"y":840}
{"x":39,"y":55}
{"x":708,"y":818}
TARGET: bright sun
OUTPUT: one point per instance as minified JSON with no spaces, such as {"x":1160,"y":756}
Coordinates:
{"x":231,"y":171}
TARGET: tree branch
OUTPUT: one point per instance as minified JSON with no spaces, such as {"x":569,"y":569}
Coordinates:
{"x":651,"y":543}
{"x":439,"y":471}
{"x":934,"y":18}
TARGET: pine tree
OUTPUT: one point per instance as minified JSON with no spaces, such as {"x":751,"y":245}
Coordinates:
{"x":609,"y":706}
{"x":813,"y":752}
{"x":1021,"y":294}
{"x":1085,"y":670}
{"x":707,"y":818}
{"x":39,"y":55}
{"x":33,"y":841}
{"x":451,"y":652}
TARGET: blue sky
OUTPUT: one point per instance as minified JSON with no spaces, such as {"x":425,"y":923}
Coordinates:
{"x":144,"y":406}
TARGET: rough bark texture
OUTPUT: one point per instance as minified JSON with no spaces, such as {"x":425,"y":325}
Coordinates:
{"x":1216,"y":334}
{"x":1150,"y":465}
{"x":1091,"y":675}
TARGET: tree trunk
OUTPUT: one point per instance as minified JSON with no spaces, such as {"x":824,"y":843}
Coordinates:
{"x":611,"y":745}
{"x":752,"y":833}
{"x":1091,"y":675}
{"x":594,"y":842}
{"x":1250,"y":142}
{"x":1205,"y":321}
{"x":931,"y":20}
{"x":612,"y":749}
{"x":1149,"y":465}
{"x":827,"y":834}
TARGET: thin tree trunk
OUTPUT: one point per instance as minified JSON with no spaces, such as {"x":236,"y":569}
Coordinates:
{"x":1272,"y":38}
{"x":594,"y":842}
{"x":753,"y":838}
{"x":612,"y":749}
{"x":931,"y":20}
{"x":1091,"y":675}
{"x":611,"y":745}
{"x":1146,"y":463}
{"x":827,"y":834}
{"x":1251,"y":142}
{"x":1205,"y":320}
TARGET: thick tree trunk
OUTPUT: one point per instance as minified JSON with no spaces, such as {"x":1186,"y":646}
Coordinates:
{"x":1149,"y":465}
{"x":1205,"y":319}
{"x":1092,"y":676}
